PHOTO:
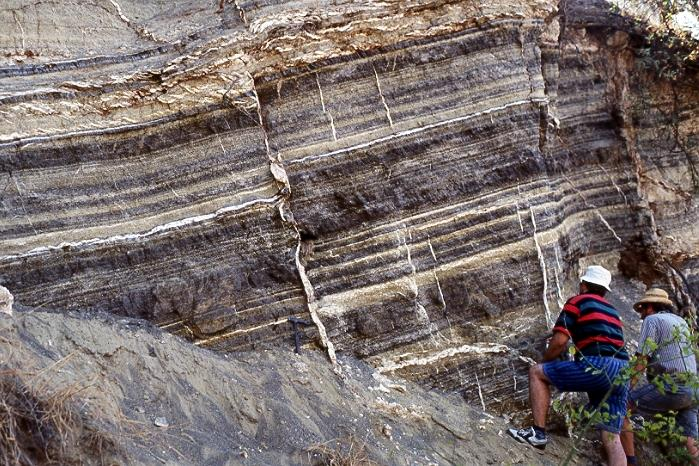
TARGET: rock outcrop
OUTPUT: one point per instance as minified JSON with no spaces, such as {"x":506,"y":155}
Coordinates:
{"x":422,"y":180}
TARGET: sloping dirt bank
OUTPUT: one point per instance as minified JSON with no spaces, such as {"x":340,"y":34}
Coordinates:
{"x":95,"y":389}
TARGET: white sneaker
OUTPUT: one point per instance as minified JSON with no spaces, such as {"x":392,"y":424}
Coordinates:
{"x":529,"y":436}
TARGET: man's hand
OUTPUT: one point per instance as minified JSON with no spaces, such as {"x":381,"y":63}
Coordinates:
{"x":557,"y":345}
{"x":639,"y":367}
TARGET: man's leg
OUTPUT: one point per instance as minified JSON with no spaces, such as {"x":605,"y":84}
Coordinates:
{"x":626,"y":437}
{"x":613,"y":448}
{"x":539,"y":394}
{"x":693,"y":450}
{"x":687,"y":419}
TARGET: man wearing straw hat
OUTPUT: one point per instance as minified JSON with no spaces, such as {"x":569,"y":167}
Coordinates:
{"x":595,"y":329}
{"x":665,"y":354}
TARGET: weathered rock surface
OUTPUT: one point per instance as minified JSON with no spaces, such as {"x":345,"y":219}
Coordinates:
{"x":423,"y":180}
{"x":152,"y":398}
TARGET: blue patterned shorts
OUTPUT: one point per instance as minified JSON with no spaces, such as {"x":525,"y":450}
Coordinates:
{"x":594,"y":375}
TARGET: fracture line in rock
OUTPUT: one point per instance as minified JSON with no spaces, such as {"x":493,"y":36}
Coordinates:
{"x":429,"y":243}
{"x":592,"y":206}
{"x":558,"y":262}
{"x":383,"y":100}
{"x":519,"y":215}
{"x":414,"y":287}
{"x":556,"y":269}
{"x":416,"y":130}
{"x":559,"y":292}
{"x":436,"y":279}
{"x":320,"y":91}
{"x":312,"y":305}
{"x":542,"y":263}
{"x":450,"y":213}
{"x":141,"y":31}
{"x":241,"y":12}
{"x":258,"y":107}
{"x":153,"y":231}
{"x":279,"y":173}
{"x":626,"y":202}
{"x":524,"y":62}
{"x":609,"y":227}
{"x":21,"y":201}
{"x":325,"y":111}
{"x":484,"y":348}
{"x":220,"y":142}
{"x":236,"y":332}
{"x":422,"y":315}
{"x":21,"y":29}
{"x":480,"y":392}
{"x":332,"y":125}
{"x":355,"y":297}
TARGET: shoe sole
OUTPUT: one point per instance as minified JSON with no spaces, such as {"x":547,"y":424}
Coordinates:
{"x":525,"y":441}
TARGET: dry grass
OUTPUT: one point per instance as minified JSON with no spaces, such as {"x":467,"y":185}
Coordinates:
{"x":41,"y":427}
{"x":340,"y":452}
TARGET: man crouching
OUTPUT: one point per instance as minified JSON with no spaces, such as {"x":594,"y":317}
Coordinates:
{"x":596,"y":331}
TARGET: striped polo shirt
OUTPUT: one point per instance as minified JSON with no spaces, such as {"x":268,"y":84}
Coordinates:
{"x":670,"y":350}
{"x":594,"y":326}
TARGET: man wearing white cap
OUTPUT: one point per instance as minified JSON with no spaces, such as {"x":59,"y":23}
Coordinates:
{"x":596,"y":331}
{"x":665,"y":354}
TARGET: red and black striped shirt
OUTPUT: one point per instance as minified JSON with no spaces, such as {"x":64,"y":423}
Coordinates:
{"x":594,"y":326}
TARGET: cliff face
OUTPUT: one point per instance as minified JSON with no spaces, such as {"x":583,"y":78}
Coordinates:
{"x":422,"y":180}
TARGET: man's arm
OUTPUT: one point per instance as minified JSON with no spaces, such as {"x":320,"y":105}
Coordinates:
{"x":638,"y":368}
{"x":556,"y":346}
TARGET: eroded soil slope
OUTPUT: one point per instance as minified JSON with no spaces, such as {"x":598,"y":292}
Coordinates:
{"x":124,"y":392}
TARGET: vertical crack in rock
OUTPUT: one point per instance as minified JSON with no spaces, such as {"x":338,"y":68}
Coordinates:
{"x":423,"y":317}
{"x":413,"y":281}
{"x":325,"y":110}
{"x":383,"y":99}
{"x":419,"y":129}
{"x":609,"y":227}
{"x":556,"y":270}
{"x":542,"y":263}
{"x":480,"y":392}
{"x":241,"y":12}
{"x":436,"y":279}
{"x":616,"y":186}
{"x":590,"y":205}
{"x":519,"y":215}
{"x":21,"y":202}
{"x":282,"y":179}
{"x":520,"y":38}
{"x":21,"y":29}
{"x":139,"y":30}
{"x":312,"y":304}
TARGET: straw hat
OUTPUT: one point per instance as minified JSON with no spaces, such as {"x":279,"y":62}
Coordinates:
{"x":655,"y":296}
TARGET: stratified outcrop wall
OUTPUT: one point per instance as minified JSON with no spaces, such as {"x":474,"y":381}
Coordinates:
{"x":423,"y":180}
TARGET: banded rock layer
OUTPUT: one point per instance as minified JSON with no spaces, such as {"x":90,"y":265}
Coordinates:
{"x":422,"y":180}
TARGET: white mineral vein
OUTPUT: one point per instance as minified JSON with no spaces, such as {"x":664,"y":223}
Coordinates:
{"x":419,"y":129}
{"x":483,"y":348}
{"x":167,"y":227}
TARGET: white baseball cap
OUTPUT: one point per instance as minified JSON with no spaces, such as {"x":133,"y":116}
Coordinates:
{"x":598,"y":275}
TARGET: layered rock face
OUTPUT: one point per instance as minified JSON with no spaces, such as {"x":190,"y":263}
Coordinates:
{"x":422,"y":180}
